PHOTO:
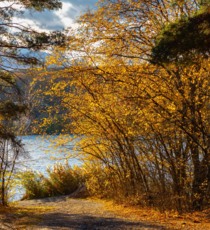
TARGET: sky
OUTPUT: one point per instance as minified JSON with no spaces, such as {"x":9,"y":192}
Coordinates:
{"x":57,"y":20}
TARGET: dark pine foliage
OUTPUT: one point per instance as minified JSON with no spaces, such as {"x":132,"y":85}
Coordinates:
{"x":183,"y":40}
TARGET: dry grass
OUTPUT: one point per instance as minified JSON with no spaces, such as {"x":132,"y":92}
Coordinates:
{"x":170,"y":219}
{"x":22,"y":216}
{"x":29,"y":216}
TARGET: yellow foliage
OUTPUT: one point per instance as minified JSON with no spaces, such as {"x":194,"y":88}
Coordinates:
{"x":147,"y":124}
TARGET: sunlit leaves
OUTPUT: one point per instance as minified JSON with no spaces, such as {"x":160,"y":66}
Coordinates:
{"x":146,"y":123}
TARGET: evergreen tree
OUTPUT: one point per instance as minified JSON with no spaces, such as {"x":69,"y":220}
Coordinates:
{"x":16,"y":41}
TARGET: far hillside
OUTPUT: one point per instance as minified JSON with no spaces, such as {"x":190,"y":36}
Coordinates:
{"x":39,"y":116}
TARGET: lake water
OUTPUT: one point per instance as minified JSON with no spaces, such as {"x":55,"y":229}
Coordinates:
{"x":42,"y":154}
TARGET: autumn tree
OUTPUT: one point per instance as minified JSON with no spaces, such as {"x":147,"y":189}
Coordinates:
{"x":143,"y":119}
{"x":191,"y":54}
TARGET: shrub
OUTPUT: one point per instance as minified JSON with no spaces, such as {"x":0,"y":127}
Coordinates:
{"x":33,"y":183}
{"x":61,"y":180}
{"x":102,"y":182}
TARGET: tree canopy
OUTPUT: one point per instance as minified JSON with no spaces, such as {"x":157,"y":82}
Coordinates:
{"x":144,"y":125}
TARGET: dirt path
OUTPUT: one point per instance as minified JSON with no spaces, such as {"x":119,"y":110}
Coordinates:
{"x":64,"y":213}
{"x":88,"y":214}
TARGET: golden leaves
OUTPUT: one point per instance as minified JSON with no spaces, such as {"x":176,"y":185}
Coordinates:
{"x":140,"y":120}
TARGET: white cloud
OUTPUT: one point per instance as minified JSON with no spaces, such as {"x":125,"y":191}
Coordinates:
{"x":64,"y":16}
{"x":29,"y":23}
{"x":51,"y":20}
